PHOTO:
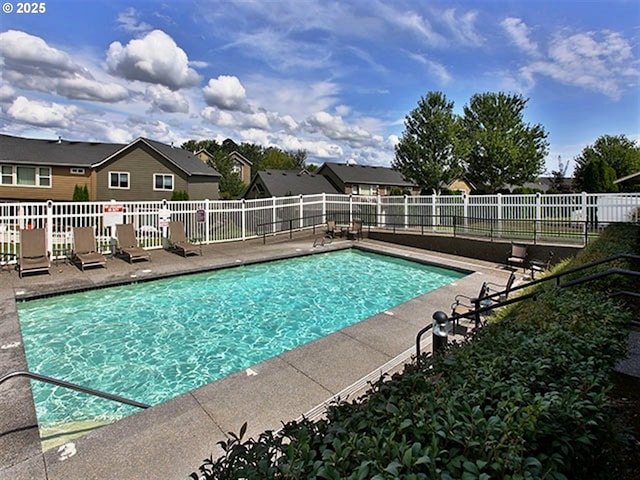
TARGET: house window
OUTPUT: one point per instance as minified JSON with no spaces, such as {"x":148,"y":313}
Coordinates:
{"x":119,"y":180}
{"x":26,"y":176}
{"x":7,"y":175}
{"x":236,"y":168}
{"x":77,"y":171}
{"x":162,"y":181}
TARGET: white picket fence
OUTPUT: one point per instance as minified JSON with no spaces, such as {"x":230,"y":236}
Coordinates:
{"x":571,"y":218}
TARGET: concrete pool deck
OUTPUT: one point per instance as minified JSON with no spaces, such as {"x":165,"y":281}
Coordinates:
{"x":171,"y":440}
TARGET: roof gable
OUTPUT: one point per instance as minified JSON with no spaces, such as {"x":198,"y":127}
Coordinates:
{"x":280,"y":183}
{"x":366,"y":174}
{"x":182,"y":159}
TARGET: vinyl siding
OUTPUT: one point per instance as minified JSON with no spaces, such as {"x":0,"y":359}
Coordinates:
{"x":61,"y":189}
{"x":141,"y":164}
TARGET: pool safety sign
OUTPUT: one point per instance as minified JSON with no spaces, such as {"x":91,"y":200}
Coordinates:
{"x":164,"y":215}
{"x":113,"y":214}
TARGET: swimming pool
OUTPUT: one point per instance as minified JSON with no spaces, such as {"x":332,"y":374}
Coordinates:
{"x":152,"y":341}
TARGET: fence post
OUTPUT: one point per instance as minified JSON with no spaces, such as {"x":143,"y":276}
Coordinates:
{"x":536,"y":228}
{"x":243,"y":211}
{"x":465,"y":211}
{"x":406,"y":211}
{"x":324,"y":207}
{"x":350,"y":208}
{"x":499,"y":203}
{"x":207,"y":221}
{"x":301,"y":212}
{"x":49,"y":227}
{"x":378,"y":210}
{"x":435,"y":220}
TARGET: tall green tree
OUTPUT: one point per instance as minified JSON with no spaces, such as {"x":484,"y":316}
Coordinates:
{"x":617,"y":151}
{"x":599,"y":177}
{"x":501,"y":148}
{"x":428,"y":152}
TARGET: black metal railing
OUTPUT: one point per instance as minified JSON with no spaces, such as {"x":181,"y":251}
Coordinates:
{"x":73,"y":386}
{"x":495,"y":300}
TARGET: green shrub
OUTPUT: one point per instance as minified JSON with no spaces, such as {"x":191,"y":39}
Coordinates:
{"x":524,"y":398}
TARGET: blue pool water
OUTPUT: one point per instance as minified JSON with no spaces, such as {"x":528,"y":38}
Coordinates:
{"x":155,"y":340}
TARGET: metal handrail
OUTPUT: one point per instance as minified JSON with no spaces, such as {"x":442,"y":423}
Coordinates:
{"x":73,"y":386}
{"x":479,"y":308}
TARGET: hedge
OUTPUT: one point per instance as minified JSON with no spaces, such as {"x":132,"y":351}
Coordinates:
{"x":524,"y":398}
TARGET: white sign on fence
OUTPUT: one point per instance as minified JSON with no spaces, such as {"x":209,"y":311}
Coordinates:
{"x":113,"y":214}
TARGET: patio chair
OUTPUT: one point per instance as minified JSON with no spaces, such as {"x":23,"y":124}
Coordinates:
{"x":464,"y":304}
{"x":536,"y":265}
{"x":331,"y":229}
{"x":518,"y":256}
{"x":178,"y":241}
{"x":128,"y":244}
{"x":34,"y":256}
{"x":85,"y":253}
{"x":355,"y":230}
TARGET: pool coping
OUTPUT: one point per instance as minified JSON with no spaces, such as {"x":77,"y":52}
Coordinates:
{"x":172,"y":439}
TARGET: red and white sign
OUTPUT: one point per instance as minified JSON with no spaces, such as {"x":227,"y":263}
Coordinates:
{"x":114,"y":209}
{"x":113,"y":214}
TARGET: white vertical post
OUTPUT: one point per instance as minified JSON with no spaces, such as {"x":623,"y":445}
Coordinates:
{"x":301,"y":211}
{"x":465,"y":210}
{"x":378,"y":210}
{"x":499,"y":203}
{"x":324,"y":207}
{"x":207,"y":221}
{"x":243,"y":211}
{"x":350,"y":208}
{"x":274,"y":215}
{"x":406,"y":211}
{"x":538,"y":217}
{"x":49,"y":213}
{"x":435,"y":218}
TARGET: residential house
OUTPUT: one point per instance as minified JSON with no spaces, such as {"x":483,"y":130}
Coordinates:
{"x":282,"y":183}
{"x":241,"y":165}
{"x":366,"y":180}
{"x":629,"y":183}
{"x":38,"y":170}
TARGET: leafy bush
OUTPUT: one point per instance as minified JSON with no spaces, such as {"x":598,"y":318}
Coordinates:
{"x":525,"y":398}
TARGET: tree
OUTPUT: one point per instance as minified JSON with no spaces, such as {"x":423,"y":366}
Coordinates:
{"x":620,"y":153}
{"x":599,"y":177}
{"x":427,"y":153}
{"x":231,"y":185}
{"x":501,"y":148}
{"x":80,"y":193}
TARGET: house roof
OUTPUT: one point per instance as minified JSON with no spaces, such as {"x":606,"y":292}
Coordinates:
{"x":54,"y":152}
{"x":366,"y":174}
{"x":280,"y":183}
{"x":631,"y":179}
{"x":90,"y":154}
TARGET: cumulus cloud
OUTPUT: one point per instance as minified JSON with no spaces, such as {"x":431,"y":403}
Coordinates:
{"x":42,"y":113}
{"x":154,"y":58}
{"x":519,"y":33}
{"x":166,"y":100}
{"x":226,"y":92}
{"x":602,"y":62}
{"x":7,"y":93}
{"x":335,"y":128}
{"x":33,"y":65}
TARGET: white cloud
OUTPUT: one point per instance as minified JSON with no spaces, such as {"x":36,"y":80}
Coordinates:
{"x":166,"y":100}
{"x":438,"y":70}
{"x":601,"y":62}
{"x":218,"y":117}
{"x":335,"y":128}
{"x":129,"y":21}
{"x":7,"y":93}
{"x":154,"y":58}
{"x":519,"y":33}
{"x":226,"y":92}
{"x":31,"y":64}
{"x":42,"y":113}
{"x":463,"y":27}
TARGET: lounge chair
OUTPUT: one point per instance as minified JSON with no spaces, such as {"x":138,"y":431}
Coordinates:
{"x":331,"y":229}
{"x":128,"y":244}
{"x":464,"y":304}
{"x":536,"y":265}
{"x":85,"y":253}
{"x":518,"y":256}
{"x":178,"y":241}
{"x":355,"y":230}
{"x":34,"y":256}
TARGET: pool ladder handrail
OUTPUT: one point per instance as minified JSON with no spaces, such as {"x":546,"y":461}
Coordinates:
{"x":73,"y":386}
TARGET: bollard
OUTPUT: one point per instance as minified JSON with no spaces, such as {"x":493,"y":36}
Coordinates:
{"x":440,"y":331}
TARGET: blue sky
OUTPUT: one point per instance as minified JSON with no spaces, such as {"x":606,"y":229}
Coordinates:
{"x":333,"y":78}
